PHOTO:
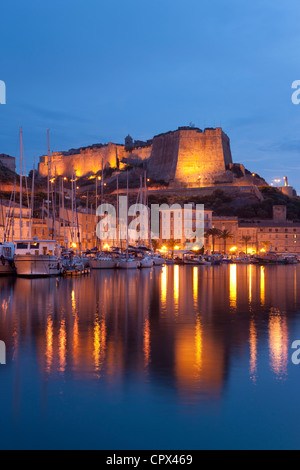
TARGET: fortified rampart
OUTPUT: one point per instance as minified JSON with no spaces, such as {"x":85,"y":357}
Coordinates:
{"x":186,"y":157}
{"x":8,"y":162}
{"x":82,"y":161}
{"x":89,"y":159}
{"x":191,"y":156}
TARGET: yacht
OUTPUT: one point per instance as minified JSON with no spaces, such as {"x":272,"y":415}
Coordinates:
{"x":146,"y":262}
{"x":37,"y":258}
{"x":158,"y":260}
{"x":128,"y":263}
{"x":7,"y":250}
{"x":103,"y":262}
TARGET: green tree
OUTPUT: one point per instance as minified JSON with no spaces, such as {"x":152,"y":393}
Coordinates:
{"x":225,"y":235}
{"x":246,"y":240}
{"x":213,"y":233}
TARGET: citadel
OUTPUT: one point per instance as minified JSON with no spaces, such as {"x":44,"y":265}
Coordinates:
{"x":184,"y":166}
{"x":188,"y":157}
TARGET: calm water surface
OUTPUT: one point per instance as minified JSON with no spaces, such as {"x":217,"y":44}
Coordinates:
{"x":173,"y":357}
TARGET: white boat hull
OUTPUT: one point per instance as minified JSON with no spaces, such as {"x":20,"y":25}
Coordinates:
{"x":146,"y":263}
{"x":103,"y":264}
{"x":128,"y":264}
{"x":6,"y":268}
{"x":158,"y":261}
{"x":37,"y":266}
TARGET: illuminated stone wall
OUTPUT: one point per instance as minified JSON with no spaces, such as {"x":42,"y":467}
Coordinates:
{"x":191,"y":157}
{"x":84,"y":161}
{"x":187,"y":157}
{"x":89,"y":160}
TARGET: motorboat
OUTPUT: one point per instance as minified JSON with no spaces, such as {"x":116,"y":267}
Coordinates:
{"x":158,"y":260}
{"x":7,"y":266}
{"x":270,"y":258}
{"x":103,"y":262}
{"x":128,"y":263}
{"x":146,"y":262}
{"x":37,"y":258}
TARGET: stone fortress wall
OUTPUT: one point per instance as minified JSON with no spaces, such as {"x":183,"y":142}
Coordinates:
{"x":191,"y":156}
{"x":88,"y":160}
{"x":8,"y":162}
{"x":187,"y":157}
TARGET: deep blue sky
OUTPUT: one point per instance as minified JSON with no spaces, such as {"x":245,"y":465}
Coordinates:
{"x":93,"y":71}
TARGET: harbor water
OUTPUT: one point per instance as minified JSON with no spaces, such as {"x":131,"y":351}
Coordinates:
{"x":173,"y":357}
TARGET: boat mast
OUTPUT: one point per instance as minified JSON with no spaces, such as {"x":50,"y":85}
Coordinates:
{"x":118,"y":234}
{"x":149,"y":211}
{"x":32,"y":197}
{"x":63,"y":208}
{"x":96,"y":205}
{"x":127,"y":231}
{"x":87,"y":219}
{"x":21,"y":180}
{"x":48,"y":185}
{"x":72,"y":204}
{"x":141,"y":201}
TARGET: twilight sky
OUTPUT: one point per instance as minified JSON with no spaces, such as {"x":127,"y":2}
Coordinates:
{"x":93,"y":71}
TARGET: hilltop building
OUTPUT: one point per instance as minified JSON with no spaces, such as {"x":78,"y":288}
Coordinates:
{"x":187,"y":157}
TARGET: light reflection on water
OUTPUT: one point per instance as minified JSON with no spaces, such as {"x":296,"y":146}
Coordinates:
{"x":180,"y":336}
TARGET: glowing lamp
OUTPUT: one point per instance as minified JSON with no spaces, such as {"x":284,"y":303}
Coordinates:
{"x":234,"y":248}
{"x":106,"y":247}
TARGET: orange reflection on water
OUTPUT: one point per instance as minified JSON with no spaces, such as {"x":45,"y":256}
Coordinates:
{"x":278,"y":342}
{"x":195,"y":283}
{"x":262,"y":285}
{"x":164,"y":282}
{"x":49,"y":343}
{"x":250,"y":282}
{"x":199,"y":361}
{"x":99,"y":343}
{"x":198,"y":343}
{"x":253,"y":350}
{"x":62,"y":339}
{"x":147,"y":346}
{"x":233,"y":285}
{"x":73,"y":301}
{"x":176,"y":284}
